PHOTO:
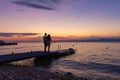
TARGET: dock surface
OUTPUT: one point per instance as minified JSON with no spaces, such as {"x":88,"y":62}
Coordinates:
{"x":21,"y":56}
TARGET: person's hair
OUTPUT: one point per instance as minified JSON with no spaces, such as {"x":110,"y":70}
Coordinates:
{"x":48,"y":34}
{"x":49,"y":37}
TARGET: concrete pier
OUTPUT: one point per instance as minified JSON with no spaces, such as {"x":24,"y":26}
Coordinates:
{"x":21,"y":56}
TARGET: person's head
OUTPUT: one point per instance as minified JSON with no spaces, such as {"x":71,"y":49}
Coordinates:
{"x":49,"y":35}
{"x":45,"y":34}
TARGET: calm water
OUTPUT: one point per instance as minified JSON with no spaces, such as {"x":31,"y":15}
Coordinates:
{"x":91,"y":59}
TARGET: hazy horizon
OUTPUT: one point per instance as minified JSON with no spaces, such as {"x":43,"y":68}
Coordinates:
{"x":37,"y":37}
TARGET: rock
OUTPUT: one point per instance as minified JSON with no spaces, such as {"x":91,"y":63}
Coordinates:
{"x":69,"y":73}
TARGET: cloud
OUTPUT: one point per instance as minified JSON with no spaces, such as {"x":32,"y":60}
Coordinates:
{"x":17,"y":34}
{"x":38,"y":4}
{"x":21,"y":10}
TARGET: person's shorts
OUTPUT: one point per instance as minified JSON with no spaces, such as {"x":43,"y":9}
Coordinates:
{"x":48,"y":43}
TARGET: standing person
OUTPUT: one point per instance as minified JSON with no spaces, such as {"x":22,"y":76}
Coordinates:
{"x":48,"y":41}
{"x":45,"y":41}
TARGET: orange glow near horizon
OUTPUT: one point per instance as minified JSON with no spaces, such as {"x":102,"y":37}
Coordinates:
{"x":39,"y":37}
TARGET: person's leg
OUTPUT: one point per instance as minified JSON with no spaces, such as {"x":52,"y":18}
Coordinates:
{"x":49,"y":48}
{"x":45,"y":46}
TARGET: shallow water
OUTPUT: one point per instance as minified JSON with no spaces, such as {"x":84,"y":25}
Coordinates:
{"x":91,"y":59}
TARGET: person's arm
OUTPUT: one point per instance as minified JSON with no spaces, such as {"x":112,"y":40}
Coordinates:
{"x":50,"y":39}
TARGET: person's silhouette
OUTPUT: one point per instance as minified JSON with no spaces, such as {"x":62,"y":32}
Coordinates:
{"x":48,"y":38}
{"x":45,"y":41}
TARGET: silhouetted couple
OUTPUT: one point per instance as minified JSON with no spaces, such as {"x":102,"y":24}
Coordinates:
{"x":47,"y":41}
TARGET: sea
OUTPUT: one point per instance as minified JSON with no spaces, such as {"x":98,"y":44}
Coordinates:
{"x":98,"y":60}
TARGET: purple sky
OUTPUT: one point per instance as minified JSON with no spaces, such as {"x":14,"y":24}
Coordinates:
{"x":61,"y":17}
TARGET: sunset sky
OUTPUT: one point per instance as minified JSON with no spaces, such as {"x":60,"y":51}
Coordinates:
{"x":72,"y":19}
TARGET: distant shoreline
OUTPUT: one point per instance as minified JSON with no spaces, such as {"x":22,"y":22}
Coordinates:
{"x":83,"y":40}
{"x":67,"y":41}
{"x":92,"y":40}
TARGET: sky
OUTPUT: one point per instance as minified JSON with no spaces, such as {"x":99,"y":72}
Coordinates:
{"x":22,"y":20}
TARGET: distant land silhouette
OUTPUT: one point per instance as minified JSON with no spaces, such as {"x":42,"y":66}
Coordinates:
{"x":76,"y":40}
{"x":93,"y":40}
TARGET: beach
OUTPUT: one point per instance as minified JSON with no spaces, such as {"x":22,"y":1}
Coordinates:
{"x":11,"y":72}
